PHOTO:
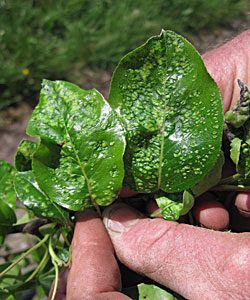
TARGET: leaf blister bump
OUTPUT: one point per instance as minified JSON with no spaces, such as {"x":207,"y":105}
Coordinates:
{"x":173,"y":123}
{"x":90,"y":168}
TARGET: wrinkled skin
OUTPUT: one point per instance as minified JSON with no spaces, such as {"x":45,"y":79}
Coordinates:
{"x":190,"y":260}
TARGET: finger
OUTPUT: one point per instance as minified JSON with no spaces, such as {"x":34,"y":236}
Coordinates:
{"x":125,"y":192}
{"x":191,"y":261}
{"x":152,"y":207}
{"x":228,"y":63}
{"x":242,"y":202}
{"x":61,"y":288}
{"x":94,"y":272}
{"x":210,"y":213}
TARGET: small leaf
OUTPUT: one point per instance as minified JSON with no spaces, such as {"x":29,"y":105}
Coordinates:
{"x":7,"y":217}
{"x":2,"y":238}
{"x":35,"y":199}
{"x":235,"y":150}
{"x":211,"y":179}
{"x":47,"y":228}
{"x":243,"y":166}
{"x":175,"y":205}
{"x":24,"y":155}
{"x":10,"y":279}
{"x":172,"y":112}
{"x":89,"y":168}
{"x":240,"y":113}
{"x":153,"y":292}
{"x":7,"y":199}
{"x":7,"y":192}
{"x":237,"y":128}
{"x":187,"y":202}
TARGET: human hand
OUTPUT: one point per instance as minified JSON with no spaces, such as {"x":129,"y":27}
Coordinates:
{"x":190,"y":260}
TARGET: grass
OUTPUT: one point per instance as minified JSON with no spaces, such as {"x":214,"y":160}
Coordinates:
{"x":49,"y":39}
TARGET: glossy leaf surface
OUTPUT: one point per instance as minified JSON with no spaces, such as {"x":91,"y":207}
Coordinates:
{"x":7,"y":192}
{"x":24,"y":154}
{"x":175,"y":205}
{"x":153,"y":292}
{"x":172,"y":112}
{"x":36,"y":200}
{"x":7,"y":217}
{"x":211,"y":179}
{"x":91,"y":142}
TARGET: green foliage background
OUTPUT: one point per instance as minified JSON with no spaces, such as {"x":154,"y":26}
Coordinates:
{"x":50,"y":39}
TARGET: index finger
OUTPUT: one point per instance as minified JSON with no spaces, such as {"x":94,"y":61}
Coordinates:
{"x":94,"y":271}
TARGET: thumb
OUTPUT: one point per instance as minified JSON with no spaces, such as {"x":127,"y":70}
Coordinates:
{"x":191,"y":261}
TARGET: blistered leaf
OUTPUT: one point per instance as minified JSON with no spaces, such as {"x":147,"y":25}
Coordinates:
{"x":35,"y":199}
{"x":91,"y":141}
{"x":24,"y":155}
{"x":153,"y":292}
{"x":172,"y":112}
{"x":7,"y":192}
{"x":211,"y":179}
{"x":175,"y":205}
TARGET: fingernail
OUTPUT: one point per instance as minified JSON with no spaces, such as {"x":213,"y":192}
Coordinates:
{"x":119,"y":218}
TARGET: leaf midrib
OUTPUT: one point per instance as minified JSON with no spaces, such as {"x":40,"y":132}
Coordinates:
{"x":75,"y":152}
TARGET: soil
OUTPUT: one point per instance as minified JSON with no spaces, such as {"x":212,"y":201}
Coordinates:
{"x":13,"y":120}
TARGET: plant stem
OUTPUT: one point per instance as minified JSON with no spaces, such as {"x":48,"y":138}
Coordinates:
{"x":65,"y":239}
{"x":230,"y":188}
{"x":36,"y":246}
{"x":56,"y":280}
{"x":40,"y":267}
{"x":96,"y":206}
{"x":54,"y":260}
{"x":29,"y":227}
{"x":229,"y":180}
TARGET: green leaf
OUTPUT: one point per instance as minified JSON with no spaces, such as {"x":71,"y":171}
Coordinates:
{"x":35,"y":199}
{"x":90,"y":168}
{"x":240,"y":113}
{"x":7,"y":199}
{"x":175,"y":205}
{"x":235,"y":150}
{"x":47,"y":228}
{"x":211,"y":179}
{"x":7,"y":192}
{"x":172,"y":111}
{"x":7,"y":217}
{"x":7,"y":281}
{"x":46,"y":279}
{"x":24,"y":155}
{"x":237,"y":128}
{"x":2,"y":238}
{"x":153,"y":292}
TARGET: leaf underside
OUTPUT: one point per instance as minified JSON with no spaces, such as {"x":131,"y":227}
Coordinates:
{"x":172,"y":111}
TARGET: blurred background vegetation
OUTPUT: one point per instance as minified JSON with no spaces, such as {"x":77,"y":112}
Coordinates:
{"x":66,"y":39}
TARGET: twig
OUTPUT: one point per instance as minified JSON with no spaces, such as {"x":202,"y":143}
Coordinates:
{"x":30,"y":227}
